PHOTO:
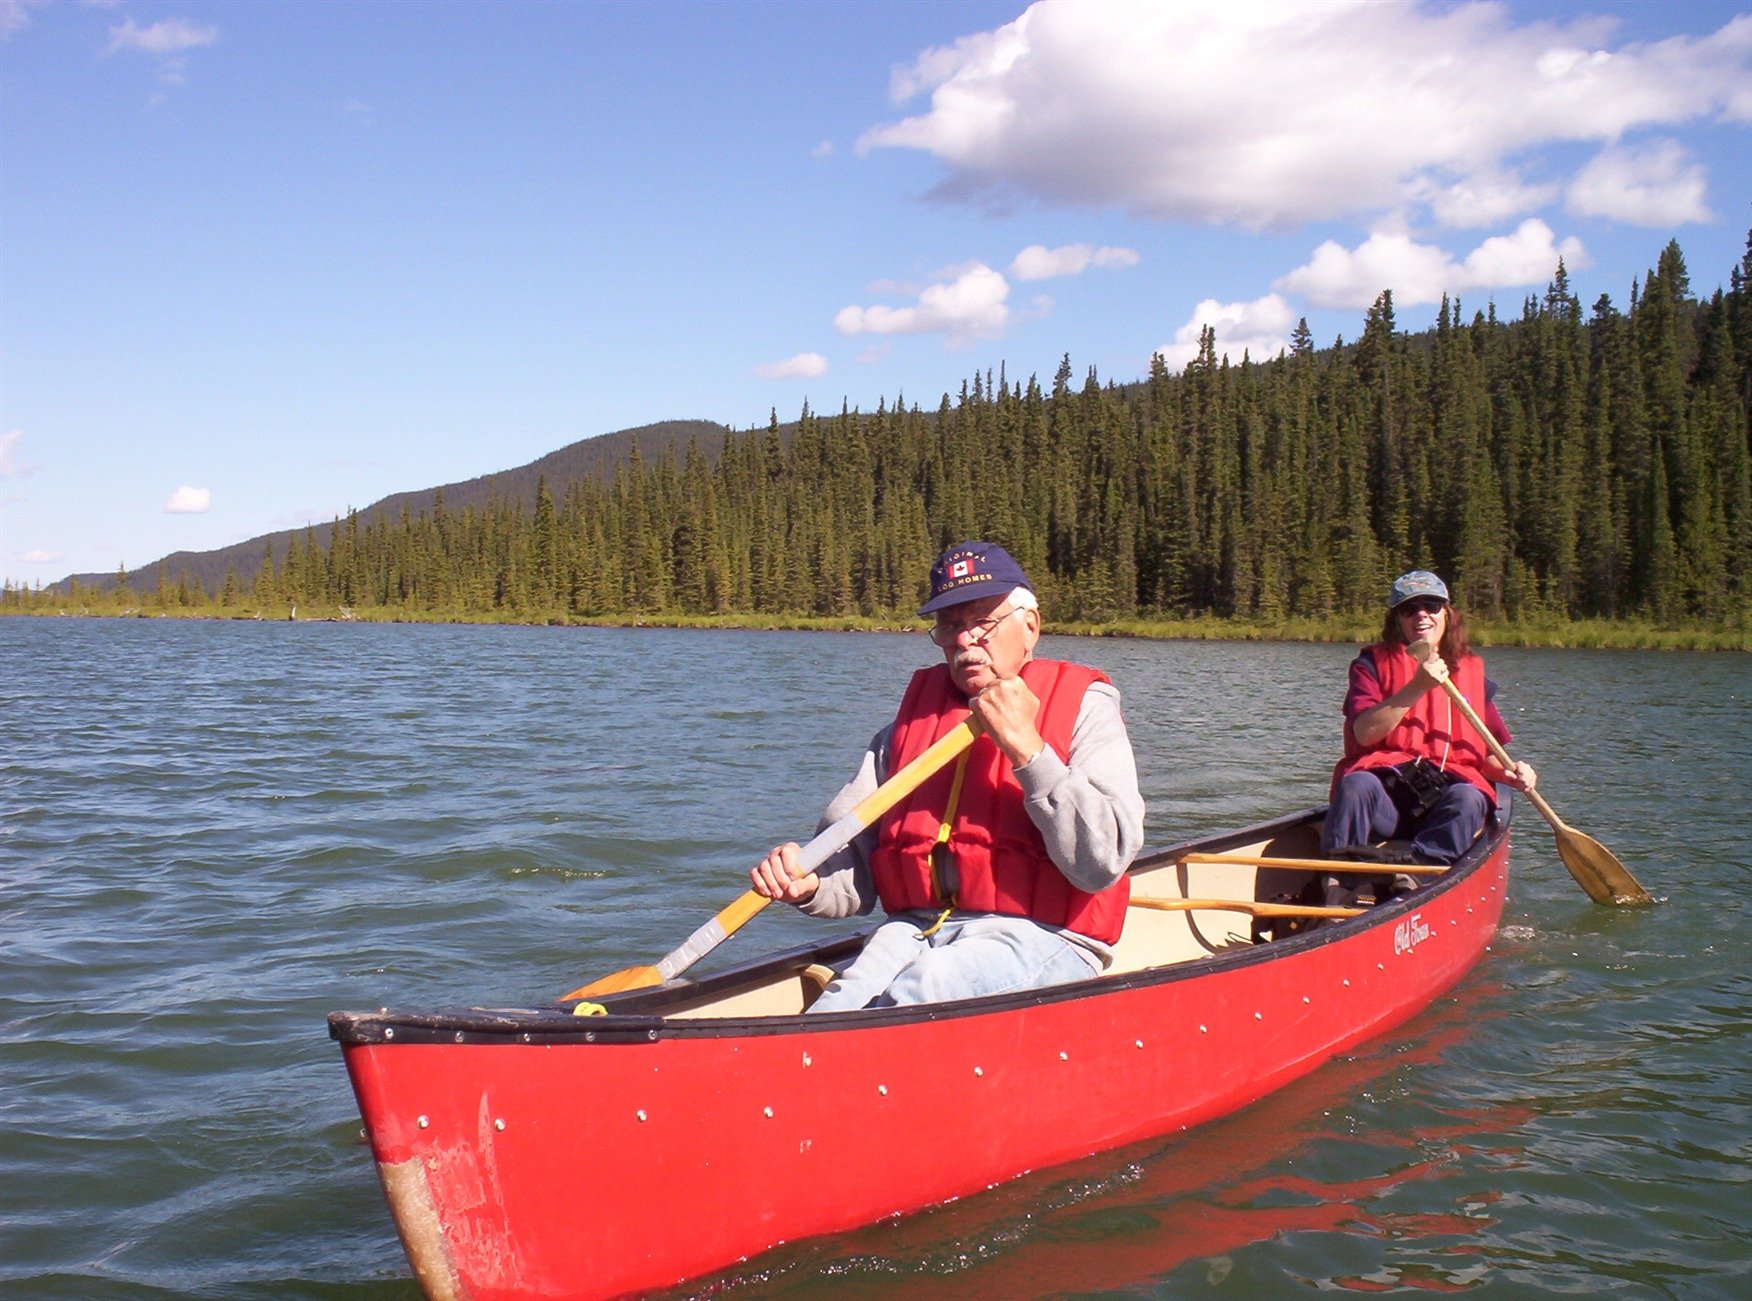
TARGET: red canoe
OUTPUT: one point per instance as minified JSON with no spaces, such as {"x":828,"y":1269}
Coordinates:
{"x":534,"y":1153}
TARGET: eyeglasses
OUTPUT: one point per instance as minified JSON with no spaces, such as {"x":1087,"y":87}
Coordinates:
{"x":977,"y":634}
{"x":1430,"y":606}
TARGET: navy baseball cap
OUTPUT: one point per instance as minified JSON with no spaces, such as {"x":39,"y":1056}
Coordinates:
{"x":970,"y":570}
{"x":1419,"y":582}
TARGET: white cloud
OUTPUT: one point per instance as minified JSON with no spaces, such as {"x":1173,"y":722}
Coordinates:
{"x":171,"y":36}
{"x":12,"y":465}
{"x":805,"y":365}
{"x":1037,"y":262}
{"x":189,"y":501}
{"x":1655,"y":184}
{"x":40,"y":557}
{"x":1260,"y":329}
{"x":823,"y":150}
{"x":15,"y":15}
{"x":1280,"y":111}
{"x":970,"y":305}
{"x":1483,"y":199}
{"x":1422,"y":273}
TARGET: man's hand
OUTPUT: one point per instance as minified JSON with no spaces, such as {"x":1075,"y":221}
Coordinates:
{"x":1007,"y":710}
{"x":776,"y":876}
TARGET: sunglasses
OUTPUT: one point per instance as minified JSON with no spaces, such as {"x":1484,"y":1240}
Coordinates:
{"x":1430,"y":606}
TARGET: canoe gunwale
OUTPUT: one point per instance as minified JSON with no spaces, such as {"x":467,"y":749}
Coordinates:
{"x":645,"y":1021}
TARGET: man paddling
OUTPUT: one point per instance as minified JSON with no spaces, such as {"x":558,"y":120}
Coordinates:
{"x":1006,"y":870}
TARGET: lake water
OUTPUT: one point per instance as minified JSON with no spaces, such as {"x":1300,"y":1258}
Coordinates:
{"x":212,"y":834}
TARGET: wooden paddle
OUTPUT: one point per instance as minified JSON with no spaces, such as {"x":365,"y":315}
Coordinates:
{"x":835,"y":838}
{"x":1244,"y":906}
{"x":1595,"y":868}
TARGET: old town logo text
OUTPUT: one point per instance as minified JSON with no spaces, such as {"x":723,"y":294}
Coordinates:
{"x":1410,"y":933}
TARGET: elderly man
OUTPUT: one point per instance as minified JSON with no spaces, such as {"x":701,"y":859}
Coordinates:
{"x":1006,"y":870}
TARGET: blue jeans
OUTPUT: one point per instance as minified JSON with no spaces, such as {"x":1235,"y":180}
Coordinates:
{"x":969,"y":956}
{"x":1362,"y":812}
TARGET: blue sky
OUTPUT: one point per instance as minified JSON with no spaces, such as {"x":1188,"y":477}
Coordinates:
{"x":261,"y":262}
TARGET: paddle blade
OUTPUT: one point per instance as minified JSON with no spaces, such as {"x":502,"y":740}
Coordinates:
{"x":618,"y":982}
{"x":1597,"y":869}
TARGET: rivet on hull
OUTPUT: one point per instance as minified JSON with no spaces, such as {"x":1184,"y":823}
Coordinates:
{"x":499,"y":1124}
{"x":882,"y":1089}
{"x":641,"y":1115}
{"x":422,"y":1122}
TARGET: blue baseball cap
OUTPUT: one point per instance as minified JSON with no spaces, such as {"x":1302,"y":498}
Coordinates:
{"x":970,"y":570}
{"x":1419,"y":582}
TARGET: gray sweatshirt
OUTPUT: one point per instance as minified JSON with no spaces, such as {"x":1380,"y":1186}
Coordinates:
{"x":1088,"y":811}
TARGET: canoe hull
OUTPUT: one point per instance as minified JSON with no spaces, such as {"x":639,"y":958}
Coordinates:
{"x":529,"y":1154}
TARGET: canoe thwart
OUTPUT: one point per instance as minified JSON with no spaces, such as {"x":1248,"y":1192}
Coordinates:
{"x":1251,"y":906}
{"x":1334,"y":866}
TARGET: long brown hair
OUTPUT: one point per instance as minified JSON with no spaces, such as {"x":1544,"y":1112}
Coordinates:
{"x":1454,"y":646}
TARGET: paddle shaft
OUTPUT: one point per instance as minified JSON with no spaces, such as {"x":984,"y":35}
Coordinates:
{"x":734,"y":916}
{"x":1502,"y":755}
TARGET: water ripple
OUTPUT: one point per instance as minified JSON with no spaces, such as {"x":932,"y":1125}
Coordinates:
{"x":211,"y":834}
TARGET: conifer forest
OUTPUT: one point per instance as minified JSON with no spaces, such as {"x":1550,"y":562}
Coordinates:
{"x":1571,"y":462}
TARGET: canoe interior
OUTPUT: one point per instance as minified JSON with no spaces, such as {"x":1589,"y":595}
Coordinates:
{"x":1151,"y":939}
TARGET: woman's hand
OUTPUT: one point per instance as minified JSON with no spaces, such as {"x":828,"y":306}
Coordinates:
{"x":1521,"y":776}
{"x":1432,"y":671}
{"x":777,"y":876}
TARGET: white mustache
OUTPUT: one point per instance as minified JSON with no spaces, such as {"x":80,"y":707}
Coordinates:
{"x":969,"y":656}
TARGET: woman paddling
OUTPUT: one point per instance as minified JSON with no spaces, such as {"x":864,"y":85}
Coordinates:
{"x":1414,"y":768}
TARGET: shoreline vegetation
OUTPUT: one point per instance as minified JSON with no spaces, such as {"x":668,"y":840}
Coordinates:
{"x":1545,"y":633}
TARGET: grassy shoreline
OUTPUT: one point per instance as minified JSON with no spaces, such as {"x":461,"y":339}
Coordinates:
{"x":1588,"y":634}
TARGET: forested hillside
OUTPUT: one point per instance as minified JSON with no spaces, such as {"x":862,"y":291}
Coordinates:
{"x":590,"y":457}
{"x":1570,"y":462}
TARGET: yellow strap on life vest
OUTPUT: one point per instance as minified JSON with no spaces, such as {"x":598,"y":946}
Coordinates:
{"x":943,"y":839}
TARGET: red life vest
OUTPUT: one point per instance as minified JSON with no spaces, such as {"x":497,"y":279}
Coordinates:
{"x":1434,"y":728}
{"x":1000,"y":858}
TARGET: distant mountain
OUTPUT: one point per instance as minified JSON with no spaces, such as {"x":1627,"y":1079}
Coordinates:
{"x":588,"y":458}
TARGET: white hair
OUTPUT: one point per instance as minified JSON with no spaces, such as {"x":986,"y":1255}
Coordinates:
{"x":1022,"y":599}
